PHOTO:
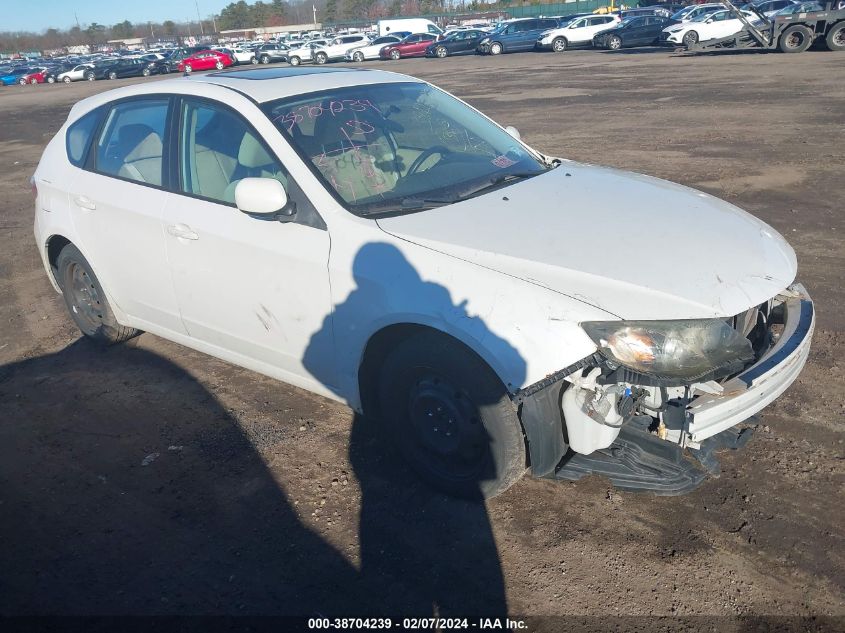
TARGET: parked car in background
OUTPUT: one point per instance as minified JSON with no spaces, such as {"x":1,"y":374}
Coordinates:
{"x":270,"y":53}
{"x":305,"y":53}
{"x":801,"y":7}
{"x":637,"y":31}
{"x":412,"y":46}
{"x":705,"y":27}
{"x":459,"y":43}
{"x":205,"y":60}
{"x":126,"y":67}
{"x":77,"y":73}
{"x":693,"y":11}
{"x":371,"y":50}
{"x":35,"y":75}
{"x":14,"y":75}
{"x":515,"y":35}
{"x":769,"y":7}
{"x":577,"y":33}
{"x":242,"y":55}
{"x":338,"y":47}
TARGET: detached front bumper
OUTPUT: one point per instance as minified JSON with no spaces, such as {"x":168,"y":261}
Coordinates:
{"x":760,"y":384}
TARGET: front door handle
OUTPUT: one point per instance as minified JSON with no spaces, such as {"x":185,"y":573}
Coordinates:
{"x":84,"y":203}
{"x":182,"y":231}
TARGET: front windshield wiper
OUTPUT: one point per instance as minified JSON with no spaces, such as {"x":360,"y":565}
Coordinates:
{"x":494,"y":182}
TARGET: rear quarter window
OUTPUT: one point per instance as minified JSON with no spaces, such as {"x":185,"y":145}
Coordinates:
{"x":78,"y":137}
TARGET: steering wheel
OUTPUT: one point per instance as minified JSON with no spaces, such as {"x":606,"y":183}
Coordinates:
{"x":431,"y":151}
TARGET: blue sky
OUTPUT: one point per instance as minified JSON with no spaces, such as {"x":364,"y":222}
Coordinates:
{"x":38,"y":15}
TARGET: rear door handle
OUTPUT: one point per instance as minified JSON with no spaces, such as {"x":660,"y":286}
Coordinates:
{"x":84,"y":203}
{"x":182,"y":231}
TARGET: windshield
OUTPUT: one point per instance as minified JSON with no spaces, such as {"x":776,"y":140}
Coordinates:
{"x":399,"y":146}
{"x":804,"y":7}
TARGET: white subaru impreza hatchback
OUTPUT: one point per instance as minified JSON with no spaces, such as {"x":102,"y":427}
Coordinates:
{"x":366,"y":236}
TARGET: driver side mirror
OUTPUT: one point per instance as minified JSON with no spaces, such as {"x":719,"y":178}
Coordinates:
{"x":265,"y":199}
{"x":513,"y":132}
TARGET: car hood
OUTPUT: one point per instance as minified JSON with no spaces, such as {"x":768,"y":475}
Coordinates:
{"x":634,"y":246}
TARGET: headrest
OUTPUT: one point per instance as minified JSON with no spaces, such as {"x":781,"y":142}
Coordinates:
{"x":139,"y":141}
{"x":252,"y":154}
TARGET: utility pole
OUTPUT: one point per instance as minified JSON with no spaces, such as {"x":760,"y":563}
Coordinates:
{"x":197,"y":4}
{"x":314,"y":9}
{"x":214,"y":22}
{"x":152,"y":33}
{"x":76,"y":17}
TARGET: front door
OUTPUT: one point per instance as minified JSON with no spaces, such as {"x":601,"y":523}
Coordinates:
{"x":255,"y":288}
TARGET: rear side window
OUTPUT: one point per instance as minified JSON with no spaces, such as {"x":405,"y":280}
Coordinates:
{"x":132,"y":143}
{"x":78,"y":137}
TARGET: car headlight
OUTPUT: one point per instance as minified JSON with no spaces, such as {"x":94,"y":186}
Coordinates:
{"x":682,"y":350}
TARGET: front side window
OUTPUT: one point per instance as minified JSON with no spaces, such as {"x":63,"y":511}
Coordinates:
{"x":131,"y":144}
{"x":399,"y":146}
{"x":217,"y":149}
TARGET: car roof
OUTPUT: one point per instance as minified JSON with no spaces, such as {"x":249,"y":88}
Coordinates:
{"x":260,"y":85}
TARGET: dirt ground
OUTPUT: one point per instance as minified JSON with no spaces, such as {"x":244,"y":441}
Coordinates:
{"x":152,"y":479}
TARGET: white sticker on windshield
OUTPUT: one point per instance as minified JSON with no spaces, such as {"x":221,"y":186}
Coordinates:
{"x":503,"y":161}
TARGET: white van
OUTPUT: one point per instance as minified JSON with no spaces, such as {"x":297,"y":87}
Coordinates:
{"x":412,"y":25}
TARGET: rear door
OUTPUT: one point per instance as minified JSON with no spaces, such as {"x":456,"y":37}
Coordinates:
{"x":253,"y":287}
{"x":116,"y":202}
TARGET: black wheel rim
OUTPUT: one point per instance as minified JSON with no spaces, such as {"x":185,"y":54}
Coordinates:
{"x":447,"y":435}
{"x":86,"y":302}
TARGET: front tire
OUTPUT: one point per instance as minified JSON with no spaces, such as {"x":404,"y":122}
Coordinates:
{"x":321,"y":58}
{"x":559,"y":45}
{"x":90,"y":76}
{"x":86,"y":300}
{"x":394,"y":54}
{"x":146,"y":72}
{"x":614,"y":43}
{"x":795,"y":39}
{"x":690,"y":38}
{"x":253,"y":61}
{"x":441,"y":52}
{"x":219,"y":65}
{"x":22,"y":81}
{"x":495,"y":48}
{"x":112,"y":75}
{"x":294,"y":61}
{"x":265,"y":59}
{"x":835,"y":39}
{"x":451,"y":417}
{"x":51,"y":80}
{"x":66,"y":80}
{"x":188,"y":68}
{"x":358,"y":56}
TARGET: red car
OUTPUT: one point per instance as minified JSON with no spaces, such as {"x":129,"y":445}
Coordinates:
{"x":205,"y":60}
{"x":412,"y":46}
{"x":34,"y":76}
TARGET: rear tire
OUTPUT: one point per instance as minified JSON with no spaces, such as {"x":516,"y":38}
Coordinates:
{"x":112,"y":75}
{"x":253,"y":61}
{"x":294,"y":61}
{"x":51,"y":80}
{"x":559,"y":44}
{"x":22,"y":81}
{"x":795,"y":39}
{"x":321,"y":58}
{"x":219,"y":65}
{"x":835,"y":39}
{"x":451,"y":417}
{"x":33,"y":82}
{"x":146,"y":72}
{"x":86,"y":301}
{"x":265,"y":59}
{"x":90,"y":76}
{"x":188,"y":68}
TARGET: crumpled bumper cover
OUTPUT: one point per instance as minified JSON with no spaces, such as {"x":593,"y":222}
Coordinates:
{"x":760,"y":384}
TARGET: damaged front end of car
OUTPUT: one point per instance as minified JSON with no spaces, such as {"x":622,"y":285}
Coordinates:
{"x":653,"y":405}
